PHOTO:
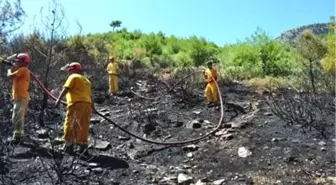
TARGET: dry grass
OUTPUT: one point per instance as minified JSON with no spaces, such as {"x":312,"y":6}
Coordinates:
{"x":267,"y":83}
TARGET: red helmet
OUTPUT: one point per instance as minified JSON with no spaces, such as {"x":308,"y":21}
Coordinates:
{"x":74,"y":66}
{"x":23,"y":57}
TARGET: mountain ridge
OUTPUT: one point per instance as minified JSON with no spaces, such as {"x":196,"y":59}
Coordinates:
{"x":318,"y":29}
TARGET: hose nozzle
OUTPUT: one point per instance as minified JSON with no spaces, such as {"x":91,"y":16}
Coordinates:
{"x":12,"y":57}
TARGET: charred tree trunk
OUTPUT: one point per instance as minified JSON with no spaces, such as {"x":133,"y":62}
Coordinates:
{"x":44,"y":103}
{"x":263,"y":64}
{"x":134,"y":61}
{"x":311,"y":76}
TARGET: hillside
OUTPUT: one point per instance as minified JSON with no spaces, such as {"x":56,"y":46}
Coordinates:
{"x":274,"y":124}
{"x":318,"y":29}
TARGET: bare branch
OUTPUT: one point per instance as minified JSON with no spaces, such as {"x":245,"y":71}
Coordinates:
{"x":47,"y":170}
{"x":304,"y":109}
{"x":79,"y":26}
{"x":39,"y":51}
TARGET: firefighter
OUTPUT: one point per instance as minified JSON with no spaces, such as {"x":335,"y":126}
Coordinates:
{"x":112,"y":70}
{"x":211,"y":91}
{"x":20,"y":75}
{"x":78,"y":92}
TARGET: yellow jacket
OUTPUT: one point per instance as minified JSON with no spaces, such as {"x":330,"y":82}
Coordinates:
{"x":211,"y":73}
{"x":112,"y":68}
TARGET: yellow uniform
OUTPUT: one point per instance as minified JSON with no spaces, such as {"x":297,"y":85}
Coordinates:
{"x":211,"y":91}
{"x":77,"y":120}
{"x":112,"y":70}
{"x":20,"y":84}
{"x":20,"y":96}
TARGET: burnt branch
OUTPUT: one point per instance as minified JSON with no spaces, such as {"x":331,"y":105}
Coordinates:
{"x":59,"y":167}
{"x":187,"y":89}
{"x":307,"y":110}
{"x":11,"y":15}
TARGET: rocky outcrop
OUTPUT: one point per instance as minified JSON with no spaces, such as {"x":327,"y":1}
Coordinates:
{"x":293,"y":34}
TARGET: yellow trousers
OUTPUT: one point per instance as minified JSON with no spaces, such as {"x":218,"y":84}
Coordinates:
{"x":18,"y":116}
{"x":113,"y":83}
{"x":211,"y":93}
{"x":77,"y":123}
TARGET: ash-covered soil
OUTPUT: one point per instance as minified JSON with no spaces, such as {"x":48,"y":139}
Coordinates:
{"x":253,"y":145}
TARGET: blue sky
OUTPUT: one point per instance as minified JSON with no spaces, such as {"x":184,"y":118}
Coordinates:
{"x":220,"y":21}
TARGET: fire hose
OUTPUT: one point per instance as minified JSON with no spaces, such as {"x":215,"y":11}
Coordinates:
{"x":172,"y":143}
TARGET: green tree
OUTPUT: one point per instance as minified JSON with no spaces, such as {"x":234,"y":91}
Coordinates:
{"x":271,"y":53}
{"x":173,"y":45}
{"x":332,"y":25}
{"x":151,"y":43}
{"x":241,"y":61}
{"x":199,"y":50}
{"x":115,"y":24}
{"x":245,"y":55}
{"x":328,"y":62}
{"x":312,"y":51}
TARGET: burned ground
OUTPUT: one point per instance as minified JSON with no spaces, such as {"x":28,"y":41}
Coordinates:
{"x":270,"y":151}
